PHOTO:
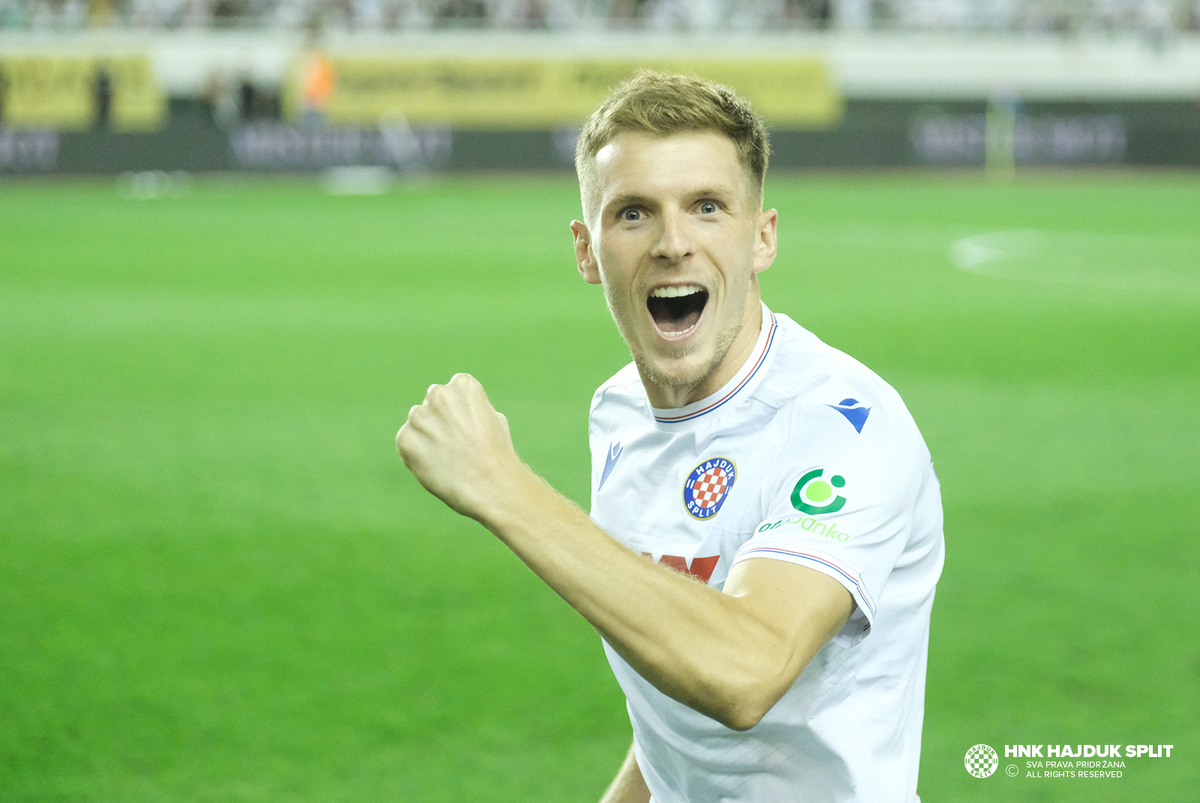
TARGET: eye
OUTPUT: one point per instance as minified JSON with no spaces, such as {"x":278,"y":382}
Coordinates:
{"x":631,"y":214}
{"x":708,"y":208}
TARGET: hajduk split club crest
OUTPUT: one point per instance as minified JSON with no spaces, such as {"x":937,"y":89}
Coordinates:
{"x":707,"y":486}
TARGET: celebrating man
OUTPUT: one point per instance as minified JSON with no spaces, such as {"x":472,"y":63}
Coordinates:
{"x":766,"y":528}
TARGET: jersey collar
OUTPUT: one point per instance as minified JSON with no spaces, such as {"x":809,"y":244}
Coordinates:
{"x":741,"y":380}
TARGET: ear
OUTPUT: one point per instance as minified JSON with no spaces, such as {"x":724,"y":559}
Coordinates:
{"x":767,"y":240}
{"x":585,"y":257}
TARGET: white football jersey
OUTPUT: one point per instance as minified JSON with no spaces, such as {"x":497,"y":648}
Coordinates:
{"x":804,"y":456}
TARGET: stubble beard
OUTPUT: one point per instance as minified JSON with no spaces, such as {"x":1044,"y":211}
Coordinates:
{"x":681,"y":381}
{"x":655,"y":376}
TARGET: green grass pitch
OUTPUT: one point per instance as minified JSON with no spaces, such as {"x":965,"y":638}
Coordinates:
{"x":217,"y":582}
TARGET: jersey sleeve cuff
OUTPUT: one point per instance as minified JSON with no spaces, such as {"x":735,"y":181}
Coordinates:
{"x":850,"y":578}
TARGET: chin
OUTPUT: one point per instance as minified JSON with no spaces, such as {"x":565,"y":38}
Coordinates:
{"x":677,"y":374}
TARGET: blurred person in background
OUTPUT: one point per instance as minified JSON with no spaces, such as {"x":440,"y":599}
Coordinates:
{"x":102,"y":97}
{"x":317,"y":84}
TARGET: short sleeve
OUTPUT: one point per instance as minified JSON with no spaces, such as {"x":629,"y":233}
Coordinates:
{"x":839,"y":499}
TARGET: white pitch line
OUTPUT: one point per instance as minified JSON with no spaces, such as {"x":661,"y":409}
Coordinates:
{"x":1124,"y":261}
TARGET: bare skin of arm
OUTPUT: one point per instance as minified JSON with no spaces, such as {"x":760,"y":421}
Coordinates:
{"x":628,"y":786}
{"x":728,"y":654}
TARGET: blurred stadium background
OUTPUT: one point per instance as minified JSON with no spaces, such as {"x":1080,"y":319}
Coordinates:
{"x":219,"y":85}
{"x":238,"y":239}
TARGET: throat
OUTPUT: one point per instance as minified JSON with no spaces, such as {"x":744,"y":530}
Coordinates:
{"x":676,"y":315}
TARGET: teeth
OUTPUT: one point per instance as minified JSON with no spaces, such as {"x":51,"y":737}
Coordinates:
{"x":676,"y":292}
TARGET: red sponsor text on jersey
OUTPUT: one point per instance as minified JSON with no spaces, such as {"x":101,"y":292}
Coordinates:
{"x":700,"y":568}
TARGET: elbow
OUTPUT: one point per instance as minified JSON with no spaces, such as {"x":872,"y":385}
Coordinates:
{"x":742,"y":719}
{"x":746,"y":707}
{"x":742,"y":704}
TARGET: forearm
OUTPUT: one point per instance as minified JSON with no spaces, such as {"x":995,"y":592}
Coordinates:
{"x":729,"y":655}
{"x":629,"y":786}
{"x":704,"y":648}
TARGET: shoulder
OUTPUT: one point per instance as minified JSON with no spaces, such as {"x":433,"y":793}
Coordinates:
{"x":622,"y":391}
{"x":817,"y":392}
{"x":805,"y":370}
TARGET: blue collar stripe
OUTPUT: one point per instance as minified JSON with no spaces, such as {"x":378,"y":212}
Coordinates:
{"x":762,"y":358}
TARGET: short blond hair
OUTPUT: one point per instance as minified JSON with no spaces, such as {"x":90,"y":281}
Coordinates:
{"x":663,"y":104}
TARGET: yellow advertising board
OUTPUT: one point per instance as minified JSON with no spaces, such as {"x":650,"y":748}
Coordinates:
{"x":60,"y":92}
{"x":517,"y":93}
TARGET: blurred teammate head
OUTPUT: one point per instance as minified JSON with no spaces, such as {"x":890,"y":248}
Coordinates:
{"x":661,"y":104}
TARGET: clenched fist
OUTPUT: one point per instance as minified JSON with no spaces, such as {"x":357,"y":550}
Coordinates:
{"x":459,"y":447}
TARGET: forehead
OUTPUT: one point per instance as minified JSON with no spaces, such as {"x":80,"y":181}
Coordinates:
{"x":641,"y":163}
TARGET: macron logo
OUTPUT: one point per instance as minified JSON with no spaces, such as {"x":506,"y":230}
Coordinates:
{"x":614,"y":454}
{"x":854,"y":412}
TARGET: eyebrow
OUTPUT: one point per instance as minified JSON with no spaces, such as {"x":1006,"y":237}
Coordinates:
{"x":726,"y":195}
{"x":715,"y":192}
{"x":629,"y":199}
{"x":635,"y":199}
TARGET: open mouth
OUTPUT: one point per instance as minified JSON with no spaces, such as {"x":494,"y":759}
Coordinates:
{"x":676,"y":310}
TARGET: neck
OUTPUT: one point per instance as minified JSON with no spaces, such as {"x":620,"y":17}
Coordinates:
{"x":665,"y":395}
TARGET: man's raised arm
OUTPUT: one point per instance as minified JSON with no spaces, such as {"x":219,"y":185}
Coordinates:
{"x":729,"y":655}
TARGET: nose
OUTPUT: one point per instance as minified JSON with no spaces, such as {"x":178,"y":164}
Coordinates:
{"x":674,"y":243}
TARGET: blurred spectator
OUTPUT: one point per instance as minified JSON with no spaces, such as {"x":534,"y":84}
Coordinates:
{"x":628,"y":13}
{"x":464,"y":13}
{"x":809,"y":13}
{"x":704,"y":16}
{"x":99,"y":13}
{"x":197,"y":14}
{"x":247,"y":104}
{"x":519,"y":14}
{"x":1154,"y":19}
{"x":223,"y":99}
{"x":102,"y":96}
{"x":228,"y":13}
{"x":317,"y":84}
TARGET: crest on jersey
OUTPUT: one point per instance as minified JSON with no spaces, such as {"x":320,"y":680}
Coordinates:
{"x":707,"y":486}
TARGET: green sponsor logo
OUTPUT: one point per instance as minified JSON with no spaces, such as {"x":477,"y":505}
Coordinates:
{"x":812,"y":494}
{"x":829,"y":529}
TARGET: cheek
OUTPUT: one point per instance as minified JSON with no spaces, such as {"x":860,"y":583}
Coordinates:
{"x":616,"y":293}
{"x":621,"y":309}
{"x":612,"y":266}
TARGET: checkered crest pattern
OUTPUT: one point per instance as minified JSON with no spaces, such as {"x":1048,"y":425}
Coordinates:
{"x":982,"y":760}
{"x":709,"y":489}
